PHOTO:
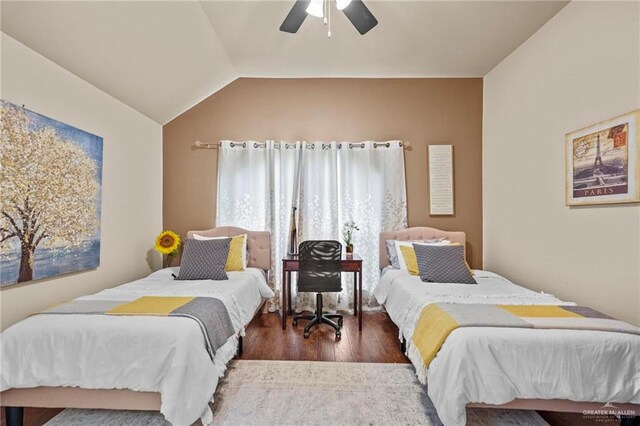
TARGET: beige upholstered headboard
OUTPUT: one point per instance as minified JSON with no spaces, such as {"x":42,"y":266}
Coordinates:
{"x":258,"y":243}
{"x":417,"y":233}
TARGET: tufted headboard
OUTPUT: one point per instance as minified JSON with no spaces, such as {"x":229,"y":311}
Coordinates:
{"x":416,"y":233}
{"x":258,"y":243}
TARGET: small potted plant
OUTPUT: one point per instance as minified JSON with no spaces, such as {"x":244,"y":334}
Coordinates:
{"x":347,"y":235}
{"x":167,"y":243}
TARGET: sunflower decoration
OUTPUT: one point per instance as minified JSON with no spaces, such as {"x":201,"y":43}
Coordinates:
{"x":167,"y":243}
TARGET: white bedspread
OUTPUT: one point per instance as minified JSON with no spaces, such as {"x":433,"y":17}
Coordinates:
{"x":498,"y":365}
{"x":154,"y":354}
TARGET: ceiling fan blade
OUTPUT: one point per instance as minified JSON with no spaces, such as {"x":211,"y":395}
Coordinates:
{"x":296,"y":17}
{"x":360,"y":16}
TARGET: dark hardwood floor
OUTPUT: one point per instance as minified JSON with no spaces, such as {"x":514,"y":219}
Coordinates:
{"x":377,"y":343}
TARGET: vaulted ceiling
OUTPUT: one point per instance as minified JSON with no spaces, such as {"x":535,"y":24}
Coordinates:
{"x":161,"y":58}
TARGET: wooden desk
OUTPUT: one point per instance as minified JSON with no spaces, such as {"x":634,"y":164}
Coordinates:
{"x":349,"y":263}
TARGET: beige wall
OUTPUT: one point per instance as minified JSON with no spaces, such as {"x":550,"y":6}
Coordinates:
{"x":423,"y":111}
{"x":582,"y":67}
{"x":132,"y":177}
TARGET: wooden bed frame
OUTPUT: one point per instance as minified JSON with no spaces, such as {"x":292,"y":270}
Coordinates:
{"x":559,"y":405}
{"x":14,"y":400}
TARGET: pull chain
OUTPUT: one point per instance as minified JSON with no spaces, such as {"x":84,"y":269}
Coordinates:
{"x":325,"y":7}
{"x":329,"y":14}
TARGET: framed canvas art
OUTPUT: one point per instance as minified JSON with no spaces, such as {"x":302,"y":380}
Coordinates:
{"x":50,"y":197}
{"x":602,"y":162}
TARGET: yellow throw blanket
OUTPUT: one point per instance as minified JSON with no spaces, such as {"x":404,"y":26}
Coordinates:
{"x":209,"y":313}
{"x":150,"y":306}
{"x":437,"y":321}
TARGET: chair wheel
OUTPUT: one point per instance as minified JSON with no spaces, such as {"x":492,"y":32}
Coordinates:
{"x":294,"y":322}
{"x":338,"y":334}
{"x":306,"y":334}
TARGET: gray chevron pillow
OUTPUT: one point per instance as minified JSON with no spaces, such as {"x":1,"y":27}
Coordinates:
{"x":443,"y":264}
{"x":204,"y":260}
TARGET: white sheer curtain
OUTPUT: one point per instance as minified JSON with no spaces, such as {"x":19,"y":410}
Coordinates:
{"x":363,"y":181}
{"x":319,"y":210}
{"x":372,"y":192}
{"x":255,"y":191}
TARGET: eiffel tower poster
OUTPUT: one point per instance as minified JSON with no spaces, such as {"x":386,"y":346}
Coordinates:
{"x":602,"y":162}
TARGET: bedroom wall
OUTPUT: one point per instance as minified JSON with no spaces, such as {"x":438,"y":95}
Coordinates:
{"x":422,"y":111}
{"x":132,"y":177}
{"x":582,"y":67}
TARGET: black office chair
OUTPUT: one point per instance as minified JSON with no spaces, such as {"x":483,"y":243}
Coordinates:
{"x":319,"y":273}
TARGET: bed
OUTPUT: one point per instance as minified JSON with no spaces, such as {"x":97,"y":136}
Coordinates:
{"x":135,"y":362}
{"x":592,"y":371}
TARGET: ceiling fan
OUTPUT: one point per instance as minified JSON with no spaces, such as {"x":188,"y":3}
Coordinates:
{"x":356,"y":11}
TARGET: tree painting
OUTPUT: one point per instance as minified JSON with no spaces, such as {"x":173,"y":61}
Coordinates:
{"x":50,"y":196}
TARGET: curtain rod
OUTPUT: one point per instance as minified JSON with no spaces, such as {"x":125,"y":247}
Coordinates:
{"x":352,"y":145}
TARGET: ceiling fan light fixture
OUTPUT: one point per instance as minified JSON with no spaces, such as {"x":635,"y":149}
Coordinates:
{"x":355,"y":10}
{"x":341,"y":4}
{"x":316,"y":8}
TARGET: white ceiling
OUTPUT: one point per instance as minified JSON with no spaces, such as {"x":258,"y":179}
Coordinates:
{"x":163,"y":57}
{"x":412,"y":39}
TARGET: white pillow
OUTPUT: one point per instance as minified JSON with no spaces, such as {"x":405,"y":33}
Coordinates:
{"x":245,"y":258}
{"x":401,"y":261}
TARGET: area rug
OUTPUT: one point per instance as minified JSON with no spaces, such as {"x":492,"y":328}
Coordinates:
{"x":312,"y":393}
